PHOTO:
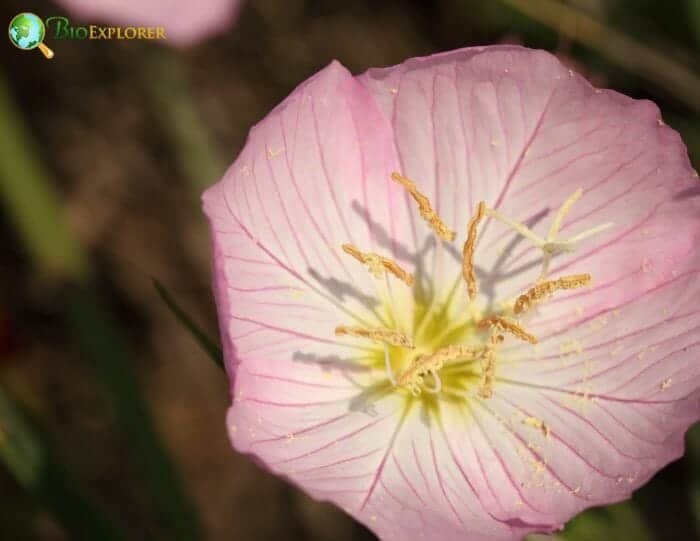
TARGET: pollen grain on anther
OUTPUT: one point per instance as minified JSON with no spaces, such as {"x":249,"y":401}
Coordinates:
{"x":432,"y":362}
{"x":378,"y":264}
{"x":508,"y":325}
{"x":377,"y":334}
{"x":425,"y":208}
{"x":548,"y":287}
{"x":488,"y":366}
{"x":468,"y":251}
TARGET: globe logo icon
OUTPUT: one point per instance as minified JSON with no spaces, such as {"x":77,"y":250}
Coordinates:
{"x":27,"y":31}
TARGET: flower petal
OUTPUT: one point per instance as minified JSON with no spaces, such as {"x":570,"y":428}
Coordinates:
{"x":185,"y":22}
{"x":426,"y":490}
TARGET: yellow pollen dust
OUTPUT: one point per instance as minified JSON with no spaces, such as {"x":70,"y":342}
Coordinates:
{"x":537,"y":423}
{"x":378,"y":334}
{"x":508,"y":325}
{"x":425,"y":208}
{"x":468,"y":251}
{"x":378,"y":264}
{"x":548,"y":287}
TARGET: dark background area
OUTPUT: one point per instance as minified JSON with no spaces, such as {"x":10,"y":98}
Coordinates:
{"x":128,"y":134}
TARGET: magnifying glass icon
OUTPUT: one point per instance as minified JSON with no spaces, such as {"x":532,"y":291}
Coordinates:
{"x":27,"y":32}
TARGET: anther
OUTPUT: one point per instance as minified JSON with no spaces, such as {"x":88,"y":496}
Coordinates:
{"x":508,"y":325}
{"x":391,"y":337}
{"x":378,"y":264}
{"x":425,"y":208}
{"x":468,"y":251}
{"x":433,"y":362}
{"x":488,"y":366}
{"x":544,"y":289}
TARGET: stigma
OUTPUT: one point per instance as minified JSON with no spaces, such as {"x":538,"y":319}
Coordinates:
{"x":442,"y":349}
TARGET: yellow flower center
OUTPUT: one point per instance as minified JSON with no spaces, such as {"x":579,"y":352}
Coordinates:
{"x":453,"y":353}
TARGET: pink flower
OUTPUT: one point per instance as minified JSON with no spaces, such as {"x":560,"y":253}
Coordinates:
{"x":422,"y":412}
{"x":185,"y":22}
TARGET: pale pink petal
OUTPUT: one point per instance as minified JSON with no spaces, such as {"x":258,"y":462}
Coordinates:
{"x":185,"y":23}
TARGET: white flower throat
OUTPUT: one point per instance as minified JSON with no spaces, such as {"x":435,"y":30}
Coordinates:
{"x":447,"y":355}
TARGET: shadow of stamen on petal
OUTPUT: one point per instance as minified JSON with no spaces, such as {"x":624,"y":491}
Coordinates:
{"x":365,"y":401}
{"x":489,"y":279}
{"x":340,"y":289}
{"x":333,"y":362}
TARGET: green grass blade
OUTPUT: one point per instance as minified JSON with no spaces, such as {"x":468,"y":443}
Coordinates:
{"x":205,"y":342}
{"x":30,"y":200}
{"x":190,"y":139}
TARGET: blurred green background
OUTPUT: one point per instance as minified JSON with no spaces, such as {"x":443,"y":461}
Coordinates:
{"x":111,"y":416}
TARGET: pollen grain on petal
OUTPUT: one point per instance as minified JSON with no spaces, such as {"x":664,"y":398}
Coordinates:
{"x":425,"y":208}
{"x":508,"y":325}
{"x":377,"y":264}
{"x":377,"y":334}
{"x":537,"y":423}
{"x":548,"y":287}
{"x":468,"y":251}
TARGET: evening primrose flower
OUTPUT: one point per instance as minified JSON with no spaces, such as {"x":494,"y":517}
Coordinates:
{"x":458,"y":296}
{"x":185,"y":22}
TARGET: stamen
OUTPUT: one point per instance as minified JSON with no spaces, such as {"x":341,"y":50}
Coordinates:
{"x":378,"y":264}
{"x":544,"y":289}
{"x":425,"y":208}
{"x":508,"y":325}
{"x":433,"y":362}
{"x":387,"y":364}
{"x":378,"y":334}
{"x":468,"y":251}
{"x":488,"y":367}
